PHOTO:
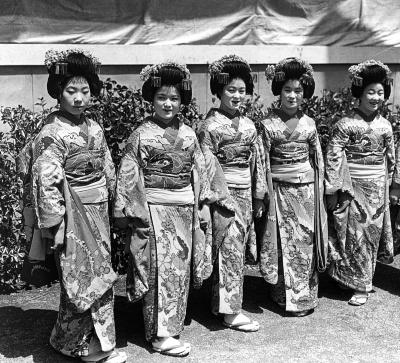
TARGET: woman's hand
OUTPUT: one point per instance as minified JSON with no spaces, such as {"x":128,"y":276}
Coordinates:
{"x":259,"y":208}
{"x":344,"y":201}
{"x":204,"y":215}
{"x":59,"y":236}
{"x":338,"y":202}
{"x":394,"y":196}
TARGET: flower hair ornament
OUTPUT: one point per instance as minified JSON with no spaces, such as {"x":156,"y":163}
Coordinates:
{"x":276,"y":72}
{"x":152,"y":72}
{"x":356,"y":71}
{"x":58,"y":59}
{"x":215,"y":68}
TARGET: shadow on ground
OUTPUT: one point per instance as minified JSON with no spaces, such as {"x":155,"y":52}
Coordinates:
{"x":336,"y":331}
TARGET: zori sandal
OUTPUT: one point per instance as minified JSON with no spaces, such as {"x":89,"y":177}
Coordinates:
{"x":358,"y":299}
{"x":171,"y":347}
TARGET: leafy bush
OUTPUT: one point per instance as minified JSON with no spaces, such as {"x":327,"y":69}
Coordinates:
{"x":119,"y":110}
{"x":23,"y":124}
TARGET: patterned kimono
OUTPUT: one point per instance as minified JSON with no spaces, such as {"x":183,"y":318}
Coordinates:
{"x":295,"y":236}
{"x":360,"y":162}
{"x":161,"y":181}
{"x":230,"y":144}
{"x":72,"y":173}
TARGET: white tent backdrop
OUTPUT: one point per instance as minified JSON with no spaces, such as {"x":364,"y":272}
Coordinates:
{"x":200,"y":22}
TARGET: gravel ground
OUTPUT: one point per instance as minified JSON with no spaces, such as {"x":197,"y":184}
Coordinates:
{"x":335,"y":332}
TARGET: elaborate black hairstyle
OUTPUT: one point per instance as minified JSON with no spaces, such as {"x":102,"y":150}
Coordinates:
{"x":368,"y":72}
{"x":166,"y":74}
{"x":64,"y":65}
{"x":291,"y":68}
{"x":224,"y":70}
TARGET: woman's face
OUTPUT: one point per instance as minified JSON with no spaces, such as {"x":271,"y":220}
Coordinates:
{"x":75,"y":97}
{"x":233,"y":95}
{"x":372,"y":98}
{"x":167,"y":102}
{"x":291,"y":96}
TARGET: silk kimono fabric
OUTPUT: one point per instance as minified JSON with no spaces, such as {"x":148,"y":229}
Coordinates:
{"x":234,"y":165}
{"x":72,"y":177}
{"x":295,"y":235}
{"x":161,"y":182}
{"x":360,"y":162}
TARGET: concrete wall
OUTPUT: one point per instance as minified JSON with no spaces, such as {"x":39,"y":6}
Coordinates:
{"x":23,"y":76}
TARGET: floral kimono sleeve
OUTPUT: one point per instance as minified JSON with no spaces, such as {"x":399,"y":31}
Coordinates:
{"x":268,"y":235}
{"x":337,"y":175}
{"x":202,"y":242}
{"x":131,"y":209}
{"x":200,"y":166}
{"x":47,"y":178}
{"x":258,"y":174}
{"x":219,"y":192}
{"x":316,"y":152}
{"x":321,"y":218}
{"x":390,"y":157}
{"x":130,"y":198}
{"x":109,"y":171}
{"x":396,"y":174}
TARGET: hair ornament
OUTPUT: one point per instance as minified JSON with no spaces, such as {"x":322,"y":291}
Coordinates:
{"x":61,"y":68}
{"x":186,"y":84}
{"x":357,"y":69}
{"x":223,"y":78}
{"x":276,"y":72}
{"x":216,"y":67}
{"x":279,"y":76}
{"x":306,"y":79}
{"x":270,"y":72}
{"x":155,"y":81}
{"x":152,"y":71}
{"x":58,"y":59}
{"x":357,"y":81}
{"x":388,"y":81}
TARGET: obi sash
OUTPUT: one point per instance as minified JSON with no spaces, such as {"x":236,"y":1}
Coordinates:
{"x":362,"y":171}
{"x":293,"y":173}
{"x":237,"y":177}
{"x":95,"y":192}
{"x":183,"y":196}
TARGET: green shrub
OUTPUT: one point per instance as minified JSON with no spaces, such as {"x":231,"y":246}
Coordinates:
{"x":120,"y":110}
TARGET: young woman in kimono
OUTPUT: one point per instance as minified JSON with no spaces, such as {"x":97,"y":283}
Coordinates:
{"x":234,"y":167}
{"x":359,"y":168}
{"x":72,"y":179}
{"x":296,"y":231}
{"x":161,"y":183}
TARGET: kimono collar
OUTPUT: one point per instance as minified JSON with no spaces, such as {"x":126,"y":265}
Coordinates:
{"x":174,"y":124}
{"x":71,"y":117}
{"x":285,"y":117}
{"x":227,"y":114}
{"x":369,"y":118}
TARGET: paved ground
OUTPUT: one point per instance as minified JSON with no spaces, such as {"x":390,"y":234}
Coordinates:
{"x":336,"y":332}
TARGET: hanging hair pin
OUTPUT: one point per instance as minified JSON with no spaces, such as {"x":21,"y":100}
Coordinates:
{"x":357,"y":81}
{"x":388,"y":81}
{"x":186,"y":84}
{"x":97,"y":67}
{"x":61,"y":68}
{"x":279,"y":76}
{"x":223,"y":78}
{"x":156,"y":81}
{"x":306,"y":79}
